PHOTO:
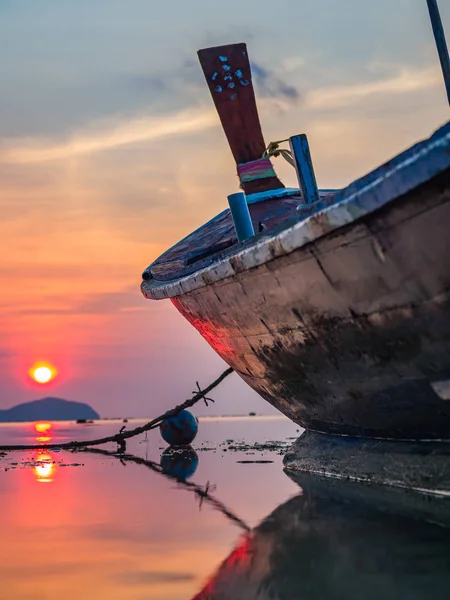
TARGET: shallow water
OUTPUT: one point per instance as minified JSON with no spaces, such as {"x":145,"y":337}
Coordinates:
{"x":87,"y":525}
{"x":113,"y":530}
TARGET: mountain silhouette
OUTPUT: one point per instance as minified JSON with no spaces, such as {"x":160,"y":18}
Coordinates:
{"x":52,"y":409}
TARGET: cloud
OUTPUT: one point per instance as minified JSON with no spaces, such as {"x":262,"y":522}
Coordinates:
{"x":405,"y":81}
{"x":5,"y":353}
{"x":184,"y":81}
{"x":179,"y":81}
{"x":114,"y":134}
{"x":122,"y":130}
{"x":105,"y":303}
{"x":292,"y":63}
{"x":35,"y":571}
{"x":113,"y":302}
{"x":271,"y":85}
{"x":147,"y":82}
{"x":139,"y":577}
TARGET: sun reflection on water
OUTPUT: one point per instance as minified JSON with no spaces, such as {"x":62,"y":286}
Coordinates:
{"x":42,"y":427}
{"x":44,"y":467}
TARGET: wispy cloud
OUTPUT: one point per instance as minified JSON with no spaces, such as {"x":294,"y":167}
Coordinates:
{"x":403,"y":82}
{"x":150,"y":577}
{"x":122,"y":130}
{"x":271,"y":85}
{"x":292,"y":63}
{"x":110,"y":135}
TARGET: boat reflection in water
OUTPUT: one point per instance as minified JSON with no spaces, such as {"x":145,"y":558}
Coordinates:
{"x":341,"y":540}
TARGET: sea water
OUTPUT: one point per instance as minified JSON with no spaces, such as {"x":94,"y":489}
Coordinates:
{"x":81,"y":525}
{"x":85,"y":525}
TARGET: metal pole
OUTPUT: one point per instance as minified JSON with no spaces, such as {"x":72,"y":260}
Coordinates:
{"x":241,"y":216}
{"x":439,"y":36}
{"x":304,"y":168}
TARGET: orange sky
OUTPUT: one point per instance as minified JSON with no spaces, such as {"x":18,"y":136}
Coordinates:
{"x":107,"y":160}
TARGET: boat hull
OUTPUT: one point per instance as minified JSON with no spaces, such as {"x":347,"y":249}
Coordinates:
{"x":348,"y":334}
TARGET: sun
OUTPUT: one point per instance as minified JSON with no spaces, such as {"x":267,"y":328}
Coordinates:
{"x":42,"y":373}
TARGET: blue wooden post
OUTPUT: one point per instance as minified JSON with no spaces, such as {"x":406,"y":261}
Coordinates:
{"x":439,"y":36}
{"x":241,"y":216}
{"x":304,"y":168}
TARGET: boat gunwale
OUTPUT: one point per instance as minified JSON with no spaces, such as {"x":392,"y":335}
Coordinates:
{"x":410,"y":169}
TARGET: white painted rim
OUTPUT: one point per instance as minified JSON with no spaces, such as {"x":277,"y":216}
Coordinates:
{"x":417,"y":166}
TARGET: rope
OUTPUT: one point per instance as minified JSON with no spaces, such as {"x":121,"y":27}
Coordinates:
{"x":119,"y":438}
{"x":262,"y":168}
{"x":256,"y":169}
{"x":273,"y":149}
{"x":202,"y":493}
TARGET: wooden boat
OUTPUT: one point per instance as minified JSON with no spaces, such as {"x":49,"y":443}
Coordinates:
{"x":337,"y":310}
{"x":341,"y":540}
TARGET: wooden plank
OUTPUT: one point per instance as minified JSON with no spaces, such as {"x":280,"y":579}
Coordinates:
{"x":218,"y":237}
{"x":228,"y":75}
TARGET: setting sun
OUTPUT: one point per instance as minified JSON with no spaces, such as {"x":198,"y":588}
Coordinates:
{"x":42,"y":373}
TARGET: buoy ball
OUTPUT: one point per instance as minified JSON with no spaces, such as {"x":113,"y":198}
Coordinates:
{"x":179,"y":430}
{"x":180,"y":463}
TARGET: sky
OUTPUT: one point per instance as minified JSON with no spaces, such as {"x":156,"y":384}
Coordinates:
{"x":110,"y":152}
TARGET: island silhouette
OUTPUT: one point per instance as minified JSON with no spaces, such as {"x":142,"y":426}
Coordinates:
{"x":53,"y":409}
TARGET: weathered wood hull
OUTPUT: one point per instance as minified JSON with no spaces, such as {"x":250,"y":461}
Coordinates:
{"x":349,"y":334}
{"x":341,"y":320}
